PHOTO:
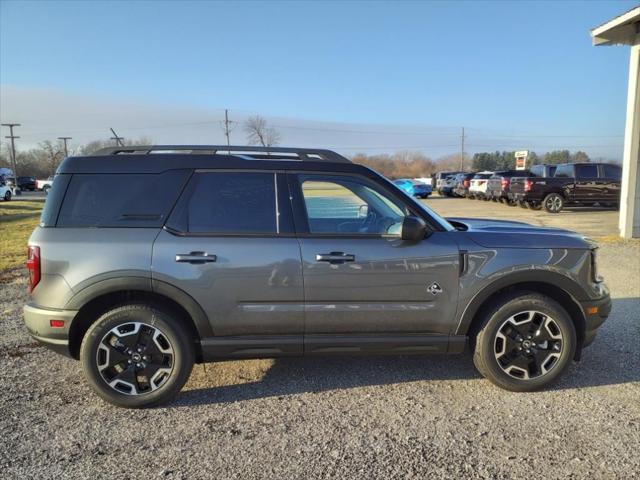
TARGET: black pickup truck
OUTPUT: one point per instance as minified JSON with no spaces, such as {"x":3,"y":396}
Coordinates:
{"x":571,"y":184}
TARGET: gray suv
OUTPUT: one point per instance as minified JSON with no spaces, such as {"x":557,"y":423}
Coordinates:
{"x":148,"y":259}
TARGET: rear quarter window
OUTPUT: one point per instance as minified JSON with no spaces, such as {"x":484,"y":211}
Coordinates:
{"x":54,"y":200}
{"x":120,"y":200}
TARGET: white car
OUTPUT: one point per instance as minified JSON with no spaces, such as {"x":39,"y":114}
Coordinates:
{"x":5,"y":192}
{"x":44,"y":185}
{"x":478,"y":185}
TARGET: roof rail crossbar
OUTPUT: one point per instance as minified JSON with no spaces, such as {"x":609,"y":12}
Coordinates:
{"x":254,"y":153}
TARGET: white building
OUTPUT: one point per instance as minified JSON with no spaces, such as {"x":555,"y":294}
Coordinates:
{"x":625,"y":30}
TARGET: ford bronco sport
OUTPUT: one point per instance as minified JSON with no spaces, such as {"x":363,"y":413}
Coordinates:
{"x":148,"y":259}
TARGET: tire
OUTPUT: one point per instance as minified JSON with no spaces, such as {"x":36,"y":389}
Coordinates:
{"x":7,"y":196}
{"x":137,"y":324}
{"x":553,"y":203}
{"x":531,"y":316}
{"x":522,"y":204}
{"x":535,"y":206}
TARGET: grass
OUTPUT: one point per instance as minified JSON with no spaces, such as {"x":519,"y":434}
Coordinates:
{"x":18,"y":218}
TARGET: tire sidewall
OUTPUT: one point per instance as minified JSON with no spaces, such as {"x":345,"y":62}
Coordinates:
{"x":553,"y":195}
{"x":182,"y":347}
{"x":512,"y":307}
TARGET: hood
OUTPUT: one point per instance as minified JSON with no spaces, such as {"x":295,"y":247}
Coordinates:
{"x":509,"y":234}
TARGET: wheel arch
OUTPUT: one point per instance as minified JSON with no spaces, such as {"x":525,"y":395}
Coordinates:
{"x":95,"y":300}
{"x":562,"y":292}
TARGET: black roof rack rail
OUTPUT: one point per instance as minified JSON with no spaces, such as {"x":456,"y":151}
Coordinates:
{"x":252,"y":153}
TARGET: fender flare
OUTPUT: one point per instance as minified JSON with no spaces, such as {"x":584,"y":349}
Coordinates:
{"x":144,"y":284}
{"x":553,"y":279}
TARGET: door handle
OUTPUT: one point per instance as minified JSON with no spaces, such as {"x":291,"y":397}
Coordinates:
{"x":195,"y":257}
{"x":335,"y":257}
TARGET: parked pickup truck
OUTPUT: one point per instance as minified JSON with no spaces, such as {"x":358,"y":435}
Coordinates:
{"x":44,"y":185}
{"x":572,"y":184}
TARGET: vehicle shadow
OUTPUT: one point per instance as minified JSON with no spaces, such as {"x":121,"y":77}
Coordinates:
{"x":609,"y":361}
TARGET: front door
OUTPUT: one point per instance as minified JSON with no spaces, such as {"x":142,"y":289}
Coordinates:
{"x":229,"y":244}
{"x":360,"y":277}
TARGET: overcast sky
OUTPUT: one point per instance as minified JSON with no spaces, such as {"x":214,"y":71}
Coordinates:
{"x":368,"y":77}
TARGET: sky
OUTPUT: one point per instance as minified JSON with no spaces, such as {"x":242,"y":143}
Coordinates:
{"x":366,"y":77}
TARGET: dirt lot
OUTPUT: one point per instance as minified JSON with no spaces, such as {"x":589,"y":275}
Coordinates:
{"x":592,"y":221}
{"x":381,"y":417}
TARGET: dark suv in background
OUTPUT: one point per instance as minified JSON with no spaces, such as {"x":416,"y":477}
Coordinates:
{"x":578,"y":184}
{"x":146,"y":263}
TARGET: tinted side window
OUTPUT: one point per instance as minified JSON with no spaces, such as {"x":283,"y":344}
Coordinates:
{"x":613,"y":172}
{"x":587,"y":171}
{"x":564,"y":171}
{"x":228,"y":203}
{"x":120,"y":200}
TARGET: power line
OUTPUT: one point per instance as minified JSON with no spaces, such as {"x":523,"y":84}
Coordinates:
{"x":65,"y":139}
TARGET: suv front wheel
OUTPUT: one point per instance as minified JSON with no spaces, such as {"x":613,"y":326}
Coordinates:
{"x":526,"y":341}
{"x":136,"y":356}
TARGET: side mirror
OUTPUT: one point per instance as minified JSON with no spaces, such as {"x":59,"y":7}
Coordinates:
{"x":413,"y":228}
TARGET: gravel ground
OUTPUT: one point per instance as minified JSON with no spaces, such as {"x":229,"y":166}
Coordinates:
{"x":375,"y":417}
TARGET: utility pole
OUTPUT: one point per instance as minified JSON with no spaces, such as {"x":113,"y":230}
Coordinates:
{"x":462,"y":151}
{"x":119,"y":142}
{"x":13,"y":151}
{"x":66,"y":151}
{"x":226,"y":126}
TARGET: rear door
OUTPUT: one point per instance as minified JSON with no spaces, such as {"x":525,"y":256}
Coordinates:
{"x":229,"y":244}
{"x":359,"y":277}
{"x":588,"y":186}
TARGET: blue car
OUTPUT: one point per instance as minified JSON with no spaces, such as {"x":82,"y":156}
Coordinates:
{"x":416,"y":189}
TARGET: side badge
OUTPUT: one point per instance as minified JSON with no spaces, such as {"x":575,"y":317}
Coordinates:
{"x":434,"y":288}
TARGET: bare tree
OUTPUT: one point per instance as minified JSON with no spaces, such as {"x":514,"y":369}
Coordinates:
{"x":259,"y":133}
{"x":51,"y":154}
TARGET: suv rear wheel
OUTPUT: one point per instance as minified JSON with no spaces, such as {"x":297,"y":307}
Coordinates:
{"x":136,"y":356}
{"x":7,"y":196}
{"x":553,"y":203}
{"x":525,"y":343}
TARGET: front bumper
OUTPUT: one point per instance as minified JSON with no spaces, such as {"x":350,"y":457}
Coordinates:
{"x":595,"y":313}
{"x":38,"y":322}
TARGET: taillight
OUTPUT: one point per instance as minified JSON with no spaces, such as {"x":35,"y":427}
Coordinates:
{"x":467,"y":183}
{"x":528,"y":185}
{"x":505,"y":183}
{"x":33,"y":265}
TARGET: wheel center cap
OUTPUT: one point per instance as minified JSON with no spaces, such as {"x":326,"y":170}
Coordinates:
{"x":526,"y":343}
{"x":136,"y":357}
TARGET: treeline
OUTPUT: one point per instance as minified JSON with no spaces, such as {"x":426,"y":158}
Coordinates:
{"x":399,"y":164}
{"x":42,"y":161}
{"x":507,"y":161}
